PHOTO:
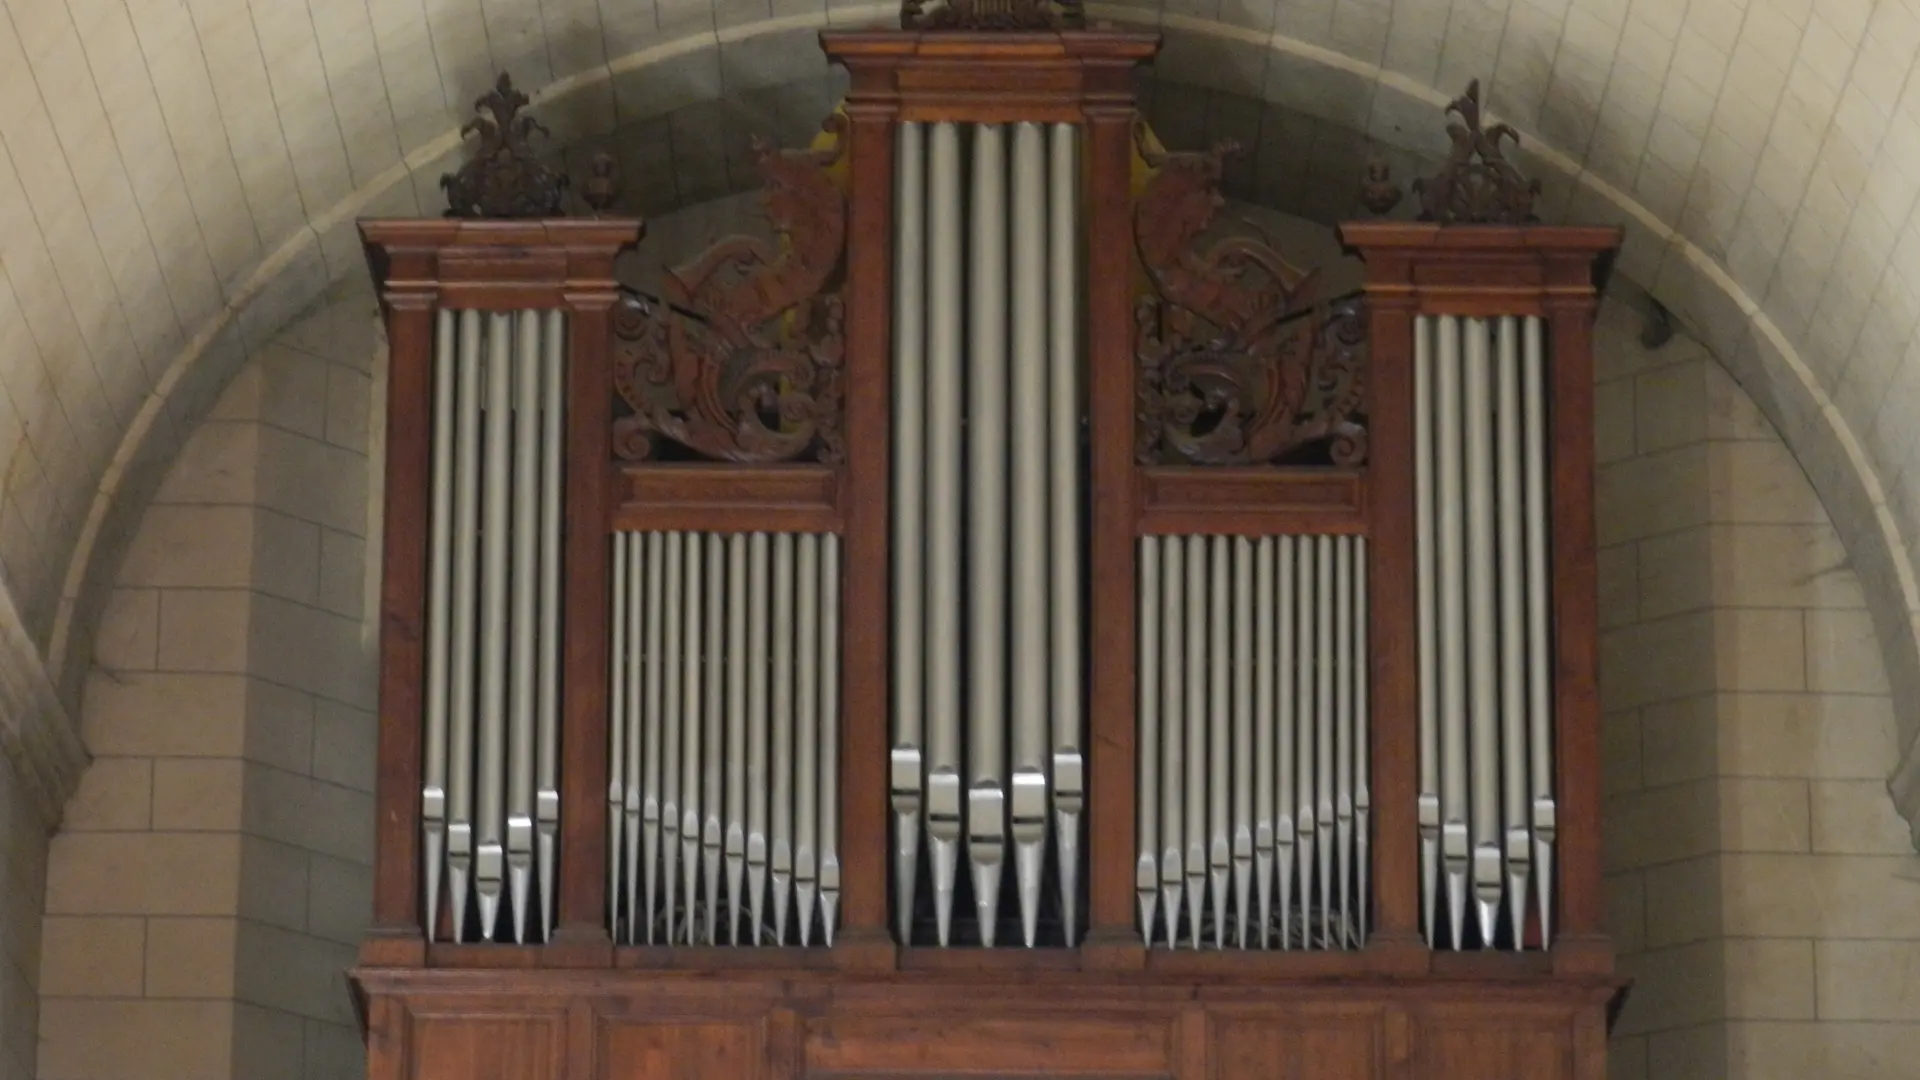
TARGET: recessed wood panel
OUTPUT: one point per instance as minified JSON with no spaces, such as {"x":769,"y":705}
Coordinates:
{"x":1034,"y":1045}
{"x":476,"y":1046}
{"x":683,"y":1051}
{"x":1449,"y":1044}
{"x":1298,"y":1044}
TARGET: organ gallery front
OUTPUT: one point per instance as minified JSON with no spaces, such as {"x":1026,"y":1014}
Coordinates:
{"x":998,"y":622}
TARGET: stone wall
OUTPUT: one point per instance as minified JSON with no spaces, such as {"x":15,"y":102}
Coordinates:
{"x":212,"y":877}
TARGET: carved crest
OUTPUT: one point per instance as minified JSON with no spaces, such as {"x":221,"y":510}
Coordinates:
{"x":1238,"y":363}
{"x":993,"y":15}
{"x":503,"y":179}
{"x":1476,"y":185}
{"x":740,"y":359}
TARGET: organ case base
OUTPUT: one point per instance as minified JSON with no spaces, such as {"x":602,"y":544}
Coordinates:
{"x":559,"y":1025}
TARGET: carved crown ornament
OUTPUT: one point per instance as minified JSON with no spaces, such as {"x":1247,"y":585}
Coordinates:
{"x":1475,"y":185}
{"x":993,"y":15}
{"x":505,"y":178}
{"x":1239,"y":362}
{"x":739,"y":358}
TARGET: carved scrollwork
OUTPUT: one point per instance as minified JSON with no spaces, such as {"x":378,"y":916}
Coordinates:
{"x":991,"y":15}
{"x":740,"y":357}
{"x":503,"y":179}
{"x":1476,"y":185}
{"x":1238,"y":363}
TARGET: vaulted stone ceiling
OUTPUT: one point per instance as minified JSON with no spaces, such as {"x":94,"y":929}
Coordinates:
{"x":181,"y":176}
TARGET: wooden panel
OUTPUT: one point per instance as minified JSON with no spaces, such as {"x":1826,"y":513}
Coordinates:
{"x":478,"y":1046}
{"x":728,"y":498}
{"x":683,"y":1051}
{"x":1305,"y":1043}
{"x":931,"y":1042}
{"x":1526,"y":1044}
{"x":1252,"y":501}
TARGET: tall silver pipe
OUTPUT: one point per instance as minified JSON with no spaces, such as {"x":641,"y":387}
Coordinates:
{"x":643,"y":740}
{"x":1197,"y":720}
{"x":489,"y":859}
{"x":1452,"y":628}
{"x":547,"y":768}
{"x":622,"y":660}
{"x":1342,"y":666}
{"x":1146,"y":878}
{"x":830,"y":737}
{"x":680,"y":924}
{"x":524,"y":540}
{"x":1063,"y":483}
{"x":1513,"y":637}
{"x":433,"y":788}
{"x":1244,"y":601}
{"x":739,"y":661}
{"x":713,"y":759}
{"x":1428,"y":633}
{"x":986,"y":517}
{"x":672,"y":718}
{"x":943,"y":813}
{"x":1362,"y":750}
{"x":909,"y":513}
{"x":651,"y":731}
{"x":1306,"y":807}
{"x":1219,"y":736}
{"x":1323,"y":722}
{"x":759,"y":656}
{"x":1265,"y":727}
{"x":1289,"y":672}
{"x":1028,"y":398}
{"x":1173,"y":709}
{"x":1539,"y":659}
{"x":806,"y":737}
{"x":781,"y":835}
{"x":1483,"y":736}
{"x":466,"y":526}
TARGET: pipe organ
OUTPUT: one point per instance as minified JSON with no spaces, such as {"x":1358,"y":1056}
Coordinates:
{"x":999,"y":620}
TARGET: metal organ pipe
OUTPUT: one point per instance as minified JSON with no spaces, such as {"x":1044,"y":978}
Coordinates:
{"x":1253,"y":718}
{"x":1008,"y":482}
{"x":1485,"y":672}
{"x":489,"y":793}
{"x":733,"y":646}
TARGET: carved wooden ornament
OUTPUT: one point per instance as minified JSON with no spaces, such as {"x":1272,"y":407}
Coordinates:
{"x":1238,"y":364}
{"x":744,"y":362}
{"x":503,"y":179}
{"x":989,"y":15}
{"x":1476,"y":185}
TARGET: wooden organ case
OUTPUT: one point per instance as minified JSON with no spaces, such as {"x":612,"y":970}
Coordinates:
{"x":1000,"y":626}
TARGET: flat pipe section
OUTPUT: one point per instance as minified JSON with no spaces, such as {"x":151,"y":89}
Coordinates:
{"x":462,"y":715}
{"x":1146,"y":800}
{"x":986,"y":525}
{"x":1253,"y":726}
{"x":909,"y":513}
{"x":1064,"y":487}
{"x":1030,"y":511}
{"x":489,"y":857}
{"x":547,"y":766}
{"x":1426,"y":579}
{"x":944,"y":450}
{"x":986,"y":597}
{"x":440,"y":602}
{"x":1539,"y":658}
{"x":732,"y":721}
{"x":524,"y":540}
{"x":1485,"y":666}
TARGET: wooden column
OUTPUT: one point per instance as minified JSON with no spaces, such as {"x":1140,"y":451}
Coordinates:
{"x":1112,"y":940}
{"x":864,"y":938}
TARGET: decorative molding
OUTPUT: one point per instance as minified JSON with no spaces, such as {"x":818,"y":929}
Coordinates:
{"x":503,"y":179}
{"x":994,"y":15}
{"x":1476,"y":185}
{"x":739,"y":358}
{"x":1238,"y":363}
{"x":37,"y":734}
